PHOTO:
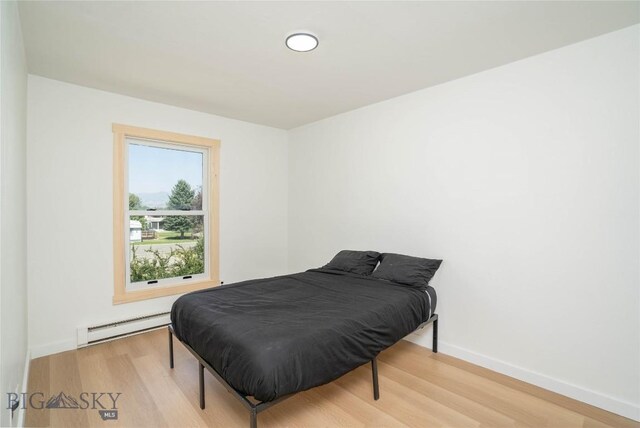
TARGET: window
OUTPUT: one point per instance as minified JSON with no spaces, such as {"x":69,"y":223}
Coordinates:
{"x":165,"y":213}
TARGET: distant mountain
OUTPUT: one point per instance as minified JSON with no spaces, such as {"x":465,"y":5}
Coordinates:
{"x":154,"y":200}
{"x":62,"y":401}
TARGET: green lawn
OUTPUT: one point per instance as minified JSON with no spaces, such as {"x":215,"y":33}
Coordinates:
{"x":168,"y":237}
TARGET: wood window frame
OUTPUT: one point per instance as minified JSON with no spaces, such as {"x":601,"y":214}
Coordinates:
{"x":120,"y":134}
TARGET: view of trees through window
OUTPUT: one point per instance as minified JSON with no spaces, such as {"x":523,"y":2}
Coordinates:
{"x":161,"y":245}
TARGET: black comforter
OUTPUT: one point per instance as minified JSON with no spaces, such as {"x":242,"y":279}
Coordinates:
{"x":272,"y":337}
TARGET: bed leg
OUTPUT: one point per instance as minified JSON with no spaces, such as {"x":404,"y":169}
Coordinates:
{"x":374,"y":369}
{"x":201,"y":382}
{"x":170,"y":348}
{"x":434,"y":348}
{"x":254,"y":418}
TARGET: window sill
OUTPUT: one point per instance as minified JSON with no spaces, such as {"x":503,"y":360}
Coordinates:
{"x":152,"y":293}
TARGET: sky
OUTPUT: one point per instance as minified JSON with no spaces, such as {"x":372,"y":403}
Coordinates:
{"x":155,"y":169}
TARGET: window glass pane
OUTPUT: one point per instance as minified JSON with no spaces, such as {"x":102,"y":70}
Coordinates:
{"x":164,"y":178}
{"x":165,"y":247}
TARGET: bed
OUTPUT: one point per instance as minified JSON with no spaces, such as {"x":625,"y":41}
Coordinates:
{"x":267,"y":339}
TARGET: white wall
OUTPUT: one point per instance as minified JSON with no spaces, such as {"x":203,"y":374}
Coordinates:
{"x":524,"y":179}
{"x":69,"y":169}
{"x":13,"y":276}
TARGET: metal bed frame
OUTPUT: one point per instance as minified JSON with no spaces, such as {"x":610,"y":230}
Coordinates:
{"x":255,"y":406}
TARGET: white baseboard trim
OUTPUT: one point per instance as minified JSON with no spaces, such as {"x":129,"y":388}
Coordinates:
{"x":611,"y":404}
{"x":24,"y":387}
{"x":53,"y":348}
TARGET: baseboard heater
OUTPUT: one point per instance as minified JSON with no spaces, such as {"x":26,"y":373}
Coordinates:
{"x":92,"y":335}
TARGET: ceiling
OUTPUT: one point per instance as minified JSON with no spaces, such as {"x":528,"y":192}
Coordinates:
{"x":229,"y":58}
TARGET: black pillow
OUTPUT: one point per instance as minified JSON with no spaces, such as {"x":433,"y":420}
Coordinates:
{"x":360,"y":262}
{"x":407,"y":270}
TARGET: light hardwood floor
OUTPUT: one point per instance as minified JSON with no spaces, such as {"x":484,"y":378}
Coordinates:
{"x":417,"y":389}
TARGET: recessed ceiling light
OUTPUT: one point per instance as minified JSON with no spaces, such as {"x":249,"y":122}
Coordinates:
{"x":302,"y":42}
